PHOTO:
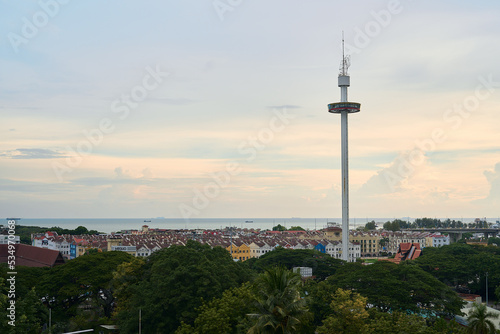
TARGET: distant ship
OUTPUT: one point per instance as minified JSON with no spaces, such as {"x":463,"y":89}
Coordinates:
{"x":147,"y":221}
{"x":249,"y":221}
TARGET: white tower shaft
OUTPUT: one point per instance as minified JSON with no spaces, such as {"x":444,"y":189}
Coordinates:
{"x":345,"y":177}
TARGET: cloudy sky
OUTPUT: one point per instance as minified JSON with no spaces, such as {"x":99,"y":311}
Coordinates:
{"x":218,"y":108}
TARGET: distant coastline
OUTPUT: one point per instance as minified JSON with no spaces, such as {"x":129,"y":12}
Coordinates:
{"x":109,"y":225}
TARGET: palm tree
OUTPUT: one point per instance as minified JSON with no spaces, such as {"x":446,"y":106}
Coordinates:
{"x":280,"y":308}
{"x":479,"y":320}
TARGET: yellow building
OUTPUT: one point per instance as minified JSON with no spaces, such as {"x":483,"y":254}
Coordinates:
{"x":333,"y":233}
{"x":113,"y":241}
{"x":369,"y":242}
{"x":241,"y":252}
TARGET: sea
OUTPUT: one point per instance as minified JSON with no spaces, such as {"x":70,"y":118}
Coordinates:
{"x":108,"y":225}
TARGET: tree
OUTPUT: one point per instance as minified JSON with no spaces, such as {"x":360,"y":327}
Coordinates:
{"x":494,"y":241}
{"x":349,"y":314}
{"x":279,"y":227}
{"x":29,"y":314}
{"x":224,"y":315}
{"x":480,"y":320}
{"x":383,"y":241}
{"x":323,"y":265}
{"x":175,"y":282}
{"x":125,"y":276}
{"x":296,"y":228}
{"x":280,"y":308}
{"x":84,"y":281}
{"x":370,"y":226}
{"x":391,"y":287}
{"x":392,"y":226}
{"x":463,"y":266}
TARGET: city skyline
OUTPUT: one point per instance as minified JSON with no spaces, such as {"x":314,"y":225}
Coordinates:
{"x":219,"y":109}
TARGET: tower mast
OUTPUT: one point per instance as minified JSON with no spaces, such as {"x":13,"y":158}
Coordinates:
{"x":344,"y":108}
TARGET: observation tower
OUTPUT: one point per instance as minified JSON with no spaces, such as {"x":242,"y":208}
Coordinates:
{"x":344,"y":108}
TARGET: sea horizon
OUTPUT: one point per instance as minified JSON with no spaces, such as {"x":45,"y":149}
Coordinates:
{"x":108,"y":225}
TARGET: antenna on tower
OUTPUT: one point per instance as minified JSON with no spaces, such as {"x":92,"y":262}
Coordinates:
{"x":346,"y":60}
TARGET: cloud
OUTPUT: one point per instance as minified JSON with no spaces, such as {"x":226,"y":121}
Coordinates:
{"x":493,"y":177}
{"x":33,"y":187}
{"x":172,"y":101}
{"x":286,"y":106}
{"x":395,"y":177}
{"x":122,"y":177}
{"x":32,"y":153}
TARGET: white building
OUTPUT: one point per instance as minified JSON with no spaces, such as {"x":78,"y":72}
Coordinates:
{"x":439,"y":240}
{"x":303,"y":271}
{"x":4,"y":239}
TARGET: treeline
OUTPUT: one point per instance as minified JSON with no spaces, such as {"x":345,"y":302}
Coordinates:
{"x":398,"y":224}
{"x":25,"y":232}
{"x":199,"y":289}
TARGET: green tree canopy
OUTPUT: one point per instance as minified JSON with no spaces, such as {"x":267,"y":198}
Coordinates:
{"x":86,"y":279}
{"x":370,"y":226}
{"x":392,"y":226}
{"x":349,"y":314}
{"x":279,"y":227}
{"x":323,"y":265}
{"x":390,"y":287}
{"x":463,"y":266}
{"x":224,"y":315}
{"x":175,"y":282}
{"x":494,"y":240}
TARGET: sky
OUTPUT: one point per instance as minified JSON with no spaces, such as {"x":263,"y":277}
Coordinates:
{"x":218,"y":108}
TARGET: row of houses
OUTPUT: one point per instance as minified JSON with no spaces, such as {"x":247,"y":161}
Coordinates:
{"x":372,"y":243}
{"x":242,"y":244}
{"x":70,"y":246}
{"x":243,"y":249}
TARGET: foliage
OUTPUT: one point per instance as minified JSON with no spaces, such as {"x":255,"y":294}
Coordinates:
{"x":296,"y":228}
{"x":463,"y":266}
{"x":467,"y":235}
{"x":349,"y":314}
{"x":29,"y":315}
{"x":383,"y":241}
{"x":401,"y":322}
{"x":494,"y":240}
{"x":370,"y":226}
{"x":479,"y":320}
{"x":24,"y":232}
{"x":225,"y":315}
{"x":124,"y":277}
{"x":392,"y":226}
{"x":174,"y":283}
{"x":81,"y":282}
{"x":436,"y":223}
{"x":280,"y":308}
{"x":279,"y":227}
{"x":390,"y":287}
{"x":323,"y":265}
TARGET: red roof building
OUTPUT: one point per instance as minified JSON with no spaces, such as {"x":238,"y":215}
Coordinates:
{"x":406,"y":251}
{"x":31,"y":256}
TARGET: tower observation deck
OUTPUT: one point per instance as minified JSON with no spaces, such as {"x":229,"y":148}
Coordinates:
{"x":344,"y":108}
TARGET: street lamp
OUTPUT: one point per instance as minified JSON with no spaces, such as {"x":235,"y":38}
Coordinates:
{"x":486,"y":288}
